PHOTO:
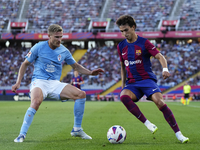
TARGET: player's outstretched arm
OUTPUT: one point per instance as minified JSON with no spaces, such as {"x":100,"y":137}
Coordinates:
{"x":21,"y":73}
{"x":97,"y":71}
{"x":83,"y":70}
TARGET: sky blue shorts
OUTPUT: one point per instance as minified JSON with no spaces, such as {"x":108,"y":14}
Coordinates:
{"x":144,"y":87}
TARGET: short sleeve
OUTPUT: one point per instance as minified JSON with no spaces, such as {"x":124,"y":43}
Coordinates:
{"x":69,"y":59}
{"x":32,"y":54}
{"x":119,"y":52}
{"x":151,"y":48}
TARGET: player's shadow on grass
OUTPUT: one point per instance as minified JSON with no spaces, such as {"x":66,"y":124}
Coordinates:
{"x":59,"y":140}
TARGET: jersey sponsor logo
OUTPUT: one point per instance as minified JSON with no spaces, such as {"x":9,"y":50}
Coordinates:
{"x":59,"y":57}
{"x":127,"y":63}
{"x":29,"y":54}
{"x":50,"y":68}
{"x":123,"y":53}
{"x":138,"y":52}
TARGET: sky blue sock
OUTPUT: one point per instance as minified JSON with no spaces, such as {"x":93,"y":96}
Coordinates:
{"x":28,"y":118}
{"x":79,"y":108}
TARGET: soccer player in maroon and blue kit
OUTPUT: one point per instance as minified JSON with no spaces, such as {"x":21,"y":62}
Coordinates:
{"x":138,"y":78}
{"x":77,"y":80}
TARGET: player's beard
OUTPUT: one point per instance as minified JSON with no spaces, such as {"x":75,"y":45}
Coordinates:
{"x":54,"y":45}
{"x":57,"y":44}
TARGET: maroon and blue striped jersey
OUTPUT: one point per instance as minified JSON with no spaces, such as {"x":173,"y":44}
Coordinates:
{"x":76,"y":81}
{"x":136,"y":58}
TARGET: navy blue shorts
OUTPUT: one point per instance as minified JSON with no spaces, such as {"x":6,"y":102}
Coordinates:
{"x":144,"y":87}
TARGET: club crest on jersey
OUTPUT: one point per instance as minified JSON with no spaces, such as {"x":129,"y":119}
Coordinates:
{"x":29,"y":54}
{"x":138,"y":52}
{"x":59,"y":57}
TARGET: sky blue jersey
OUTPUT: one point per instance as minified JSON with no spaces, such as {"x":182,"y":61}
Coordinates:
{"x":48,"y":62}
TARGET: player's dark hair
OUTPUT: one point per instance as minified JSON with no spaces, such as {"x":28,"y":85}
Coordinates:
{"x":54,"y":28}
{"x":126,"y":19}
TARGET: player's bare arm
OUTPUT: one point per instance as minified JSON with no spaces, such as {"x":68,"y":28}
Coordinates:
{"x":123,"y":74}
{"x":80,"y":83}
{"x":83,"y":70}
{"x":163,"y":62}
{"x":21,"y":73}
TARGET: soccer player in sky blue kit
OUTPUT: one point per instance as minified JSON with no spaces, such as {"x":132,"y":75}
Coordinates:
{"x":138,"y":78}
{"x":48,"y":57}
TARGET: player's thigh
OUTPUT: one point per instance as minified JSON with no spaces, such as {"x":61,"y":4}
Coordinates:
{"x":129,"y":93}
{"x":36,"y":96}
{"x":70,"y":91}
{"x":157,"y":98}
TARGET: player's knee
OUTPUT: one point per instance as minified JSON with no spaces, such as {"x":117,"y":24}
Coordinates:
{"x":35,"y":103}
{"x":160,"y":103}
{"x":82,"y":94}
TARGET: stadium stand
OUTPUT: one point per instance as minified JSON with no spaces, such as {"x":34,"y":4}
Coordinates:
{"x":8,"y":11}
{"x":71,"y":14}
{"x":179,"y":61}
{"x":11,"y":58}
{"x":190,"y":15}
{"x":148,"y":13}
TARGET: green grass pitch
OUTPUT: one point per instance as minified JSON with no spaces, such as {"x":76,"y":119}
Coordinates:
{"x":53,"y":122}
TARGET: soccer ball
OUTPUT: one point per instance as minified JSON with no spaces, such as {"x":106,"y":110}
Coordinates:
{"x":116,"y":134}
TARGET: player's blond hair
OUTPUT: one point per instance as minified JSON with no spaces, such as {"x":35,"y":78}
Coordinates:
{"x":54,"y":28}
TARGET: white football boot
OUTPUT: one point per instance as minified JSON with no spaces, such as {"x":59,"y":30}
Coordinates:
{"x":181,"y":138}
{"x":20,"y":138}
{"x":80,"y":133}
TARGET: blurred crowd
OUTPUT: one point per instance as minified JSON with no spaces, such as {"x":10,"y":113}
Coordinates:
{"x":183,"y":61}
{"x":8,"y":10}
{"x":10,"y":61}
{"x":73,"y":15}
{"x":148,"y":13}
{"x":190,"y":15}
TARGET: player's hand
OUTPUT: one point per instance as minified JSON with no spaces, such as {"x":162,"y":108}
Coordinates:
{"x":165,"y":74}
{"x":15,"y":87}
{"x":97,"y":72}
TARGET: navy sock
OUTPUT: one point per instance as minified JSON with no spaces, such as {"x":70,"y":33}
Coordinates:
{"x":169,"y":117}
{"x":132,"y":108}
